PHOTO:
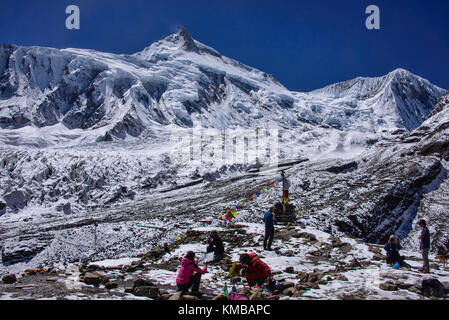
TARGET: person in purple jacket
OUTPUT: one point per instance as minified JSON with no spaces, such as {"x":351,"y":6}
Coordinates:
{"x":187,"y":277}
{"x":424,"y":246}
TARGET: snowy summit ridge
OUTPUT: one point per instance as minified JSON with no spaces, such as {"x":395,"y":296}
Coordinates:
{"x":100,"y":96}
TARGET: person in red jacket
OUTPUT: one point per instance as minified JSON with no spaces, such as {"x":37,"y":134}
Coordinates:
{"x":255,"y":270}
{"x":187,"y":277}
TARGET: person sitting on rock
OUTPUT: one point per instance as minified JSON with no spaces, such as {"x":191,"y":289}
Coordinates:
{"x":255,"y":270}
{"x":215,"y":245}
{"x":392,"y":248}
{"x":187,"y":277}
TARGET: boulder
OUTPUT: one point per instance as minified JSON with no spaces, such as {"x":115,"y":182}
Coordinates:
{"x":341,"y":277}
{"x":335,"y":242}
{"x":92,"y":278}
{"x":52,"y":279}
{"x":67,"y":208}
{"x":354,"y":263}
{"x":147,"y":291}
{"x":379,"y":257}
{"x":257,"y":296}
{"x":143,"y":283}
{"x":308,"y":237}
{"x":414,"y":290}
{"x":111,"y":285}
{"x":104,"y":279}
{"x":375,"y":250}
{"x":388,"y":286}
{"x":9,"y":279}
{"x":288,"y":292}
{"x":433,"y":288}
{"x":310,"y":277}
{"x":404,"y":286}
{"x":129,"y":290}
{"x":289,"y":270}
{"x":176,"y":296}
{"x":17,"y":199}
{"x":2,"y":208}
{"x":345,"y":248}
{"x":165,"y":296}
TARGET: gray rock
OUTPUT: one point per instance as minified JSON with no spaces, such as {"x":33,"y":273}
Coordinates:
{"x":257,"y":296}
{"x":92,"y":278}
{"x":129,"y":290}
{"x":17,"y":199}
{"x":341,"y":277}
{"x":176,"y":296}
{"x":52,"y":279}
{"x":111,"y":285}
{"x":143,"y":283}
{"x":9,"y":279}
{"x":147,"y":291}
{"x":414,"y":290}
{"x":67,"y":208}
{"x":2,"y":208}
{"x":345,"y":248}
{"x":404,"y":286}
{"x":388,"y":286}
{"x":289,"y":270}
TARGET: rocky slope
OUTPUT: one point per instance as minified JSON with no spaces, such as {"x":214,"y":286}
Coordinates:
{"x":307,"y":264}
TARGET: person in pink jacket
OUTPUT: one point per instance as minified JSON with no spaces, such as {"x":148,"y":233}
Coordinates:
{"x":187,"y":277}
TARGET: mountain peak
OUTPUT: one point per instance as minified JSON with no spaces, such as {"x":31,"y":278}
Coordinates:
{"x":185,"y":39}
{"x":401,"y":73}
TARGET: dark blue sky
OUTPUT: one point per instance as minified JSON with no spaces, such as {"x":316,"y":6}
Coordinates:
{"x":304,"y":44}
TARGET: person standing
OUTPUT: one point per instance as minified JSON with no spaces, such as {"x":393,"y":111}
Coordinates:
{"x":285,"y":187}
{"x":268,"y":219}
{"x":424,"y":246}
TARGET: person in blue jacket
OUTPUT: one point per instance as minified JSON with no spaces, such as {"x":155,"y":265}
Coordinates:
{"x":392,"y":248}
{"x":269,"y":221}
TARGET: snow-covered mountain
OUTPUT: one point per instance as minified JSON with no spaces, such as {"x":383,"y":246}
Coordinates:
{"x":84,"y":95}
{"x":86,"y":135}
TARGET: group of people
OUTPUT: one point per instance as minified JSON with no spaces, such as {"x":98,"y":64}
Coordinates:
{"x":258,"y":272}
{"x":392,"y":248}
{"x":250,"y":266}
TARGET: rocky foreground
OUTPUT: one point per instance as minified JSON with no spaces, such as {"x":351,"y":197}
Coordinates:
{"x":306,"y":263}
